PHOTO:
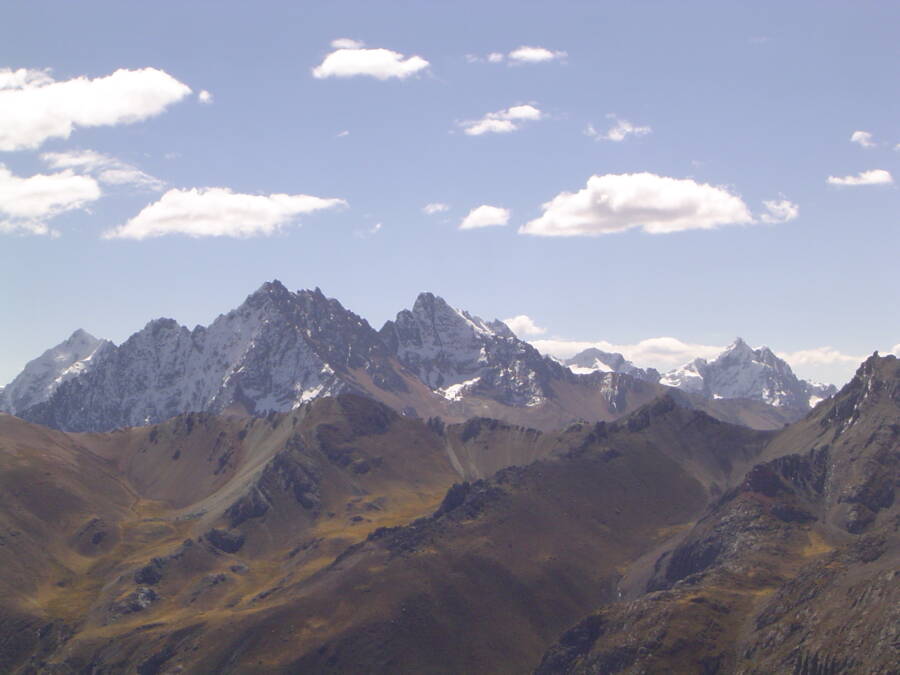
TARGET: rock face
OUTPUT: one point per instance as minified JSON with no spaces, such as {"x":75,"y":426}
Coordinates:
{"x":280,"y":349}
{"x":275,"y":351}
{"x":754,"y":374}
{"x":43,"y":376}
{"x":457,"y":354}
{"x":344,"y":537}
{"x":804,"y":549}
{"x":593,"y":360}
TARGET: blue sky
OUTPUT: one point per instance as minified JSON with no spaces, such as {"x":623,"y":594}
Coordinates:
{"x":689,"y":116}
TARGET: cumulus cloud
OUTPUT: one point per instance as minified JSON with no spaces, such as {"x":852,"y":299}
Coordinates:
{"x":27,"y":203}
{"x":34,"y":107}
{"x":618,"y":132}
{"x":524,"y":325}
{"x":343,"y":134}
{"x":23,"y":77}
{"x":218,"y":212}
{"x":895,"y":350}
{"x":502,"y":121}
{"x":779,"y":211}
{"x":205,"y":97}
{"x":662,"y":353}
{"x":527,"y":54}
{"x":657,"y":204}
{"x":872,"y":177}
{"x":106,"y":169}
{"x":435,"y":207}
{"x":484,"y":216}
{"x":863,"y":138}
{"x":495,"y":57}
{"x":351,"y":59}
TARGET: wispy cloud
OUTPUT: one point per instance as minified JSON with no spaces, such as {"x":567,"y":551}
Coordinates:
{"x":218,"y":212}
{"x":520,"y":56}
{"x":435,"y":207}
{"x":618,"y":132}
{"x":502,"y":121}
{"x":872,"y":177}
{"x":106,"y":169}
{"x":863,"y":138}
{"x":779,"y":211}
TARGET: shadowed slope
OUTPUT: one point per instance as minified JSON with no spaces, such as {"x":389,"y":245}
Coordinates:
{"x":804,"y":549}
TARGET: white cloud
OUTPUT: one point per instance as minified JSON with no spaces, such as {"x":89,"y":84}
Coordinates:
{"x":502,"y":121}
{"x":662,"y":353}
{"x":895,"y":350}
{"x":106,"y":169}
{"x":23,"y":77}
{"x":435,"y":207}
{"x":484,"y":216}
{"x":657,"y":204}
{"x":205,"y":97}
{"x":819,"y":356}
{"x":347,"y":43}
{"x":25,"y":203}
{"x":382,"y":64}
{"x":863,"y":138}
{"x":34,"y":108}
{"x":526,"y":54}
{"x":519,"y":56}
{"x":218,"y":212}
{"x":779,"y":211}
{"x":343,"y":134}
{"x":872,"y":177}
{"x":524,"y":325}
{"x":618,"y":132}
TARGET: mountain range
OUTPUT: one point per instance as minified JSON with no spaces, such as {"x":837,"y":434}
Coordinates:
{"x":280,"y":349}
{"x":342,"y":536}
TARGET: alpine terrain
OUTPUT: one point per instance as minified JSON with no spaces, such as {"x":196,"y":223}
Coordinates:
{"x":280,"y":349}
{"x":343,"y":536}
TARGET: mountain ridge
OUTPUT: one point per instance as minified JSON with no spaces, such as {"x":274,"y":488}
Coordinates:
{"x":279,"y":349}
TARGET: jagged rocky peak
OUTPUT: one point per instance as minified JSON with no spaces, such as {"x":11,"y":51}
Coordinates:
{"x":876,"y":382}
{"x":43,"y":375}
{"x":275,"y":351}
{"x":743,"y":372}
{"x":456,"y":353}
{"x":593,"y":360}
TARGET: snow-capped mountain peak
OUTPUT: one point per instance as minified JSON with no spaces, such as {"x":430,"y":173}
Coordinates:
{"x":43,"y":375}
{"x":275,"y":351}
{"x":593,"y":360}
{"x":455,"y":352}
{"x":743,"y":372}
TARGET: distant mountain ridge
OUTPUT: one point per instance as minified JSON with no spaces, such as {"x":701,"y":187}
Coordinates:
{"x":279,"y":349}
{"x":743,"y":372}
{"x":739,"y":372}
